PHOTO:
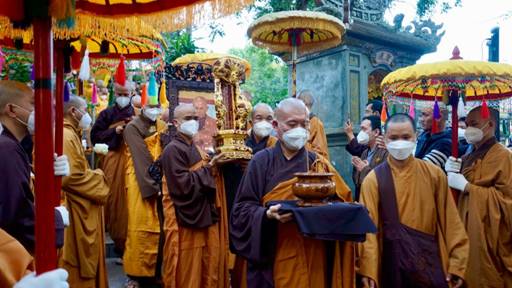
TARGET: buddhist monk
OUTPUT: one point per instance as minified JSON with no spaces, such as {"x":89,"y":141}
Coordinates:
{"x":485,"y":202}
{"x":137,"y":104}
{"x":434,"y":143}
{"x":142,"y":136}
{"x":277,"y":254}
{"x":102,"y":99}
{"x":85,"y":191}
{"x":108,"y":129}
{"x":421,"y":240}
{"x":16,"y":197}
{"x":196,"y":248}
{"x":317,"y":138}
{"x":207,"y":126}
{"x":372,"y":156}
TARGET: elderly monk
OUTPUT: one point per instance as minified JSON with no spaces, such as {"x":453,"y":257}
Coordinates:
{"x":277,"y":254}
{"x":196,"y":247}
{"x":207,"y":126}
{"x":435,"y":142}
{"x":142,"y":136}
{"x":16,"y":197}
{"x":108,"y":129}
{"x":137,"y":104}
{"x":421,"y":240}
{"x":317,"y":139}
{"x":485,"y":202}
{"x":85,"y":191}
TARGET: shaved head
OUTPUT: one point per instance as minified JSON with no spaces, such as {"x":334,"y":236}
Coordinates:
{"x":13,"y":92}
{"x":478,"y":110}
{"x":306,"y":96}
{"x":75,"y":102}
{"x":291,"y":113}
{"x":290,"y":105}
{"x":120,"y":90}
{"x":201,"y":106}
{"x":183,"y":110}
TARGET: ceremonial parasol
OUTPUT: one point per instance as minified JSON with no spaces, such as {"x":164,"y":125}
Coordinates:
{"x":290,"y":31}
{"x":450,"y":80}
{"x":210,"y":59}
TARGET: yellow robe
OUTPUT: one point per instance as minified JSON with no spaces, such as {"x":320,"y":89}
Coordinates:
{"x":486,"y":210}
{"x":317,"y":138}
{"x":84,"y":193}
{"x":422,"y":193}
{"x":15,"y":261}
{"x":143,"y":232}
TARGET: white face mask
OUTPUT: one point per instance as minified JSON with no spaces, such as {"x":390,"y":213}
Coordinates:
{"x":461,"y":132}
{"x":473,"y":135}
{"x":363,"y":138}
{"x":401,"y":149}
{"x":152,"y":113}
{"x":262,"y":129}
{"x":85,"y":121}
{"x":295,"y":138}
{"x":189,"y":128}
{"x":31,"y":123}
{"x":123,"y":101}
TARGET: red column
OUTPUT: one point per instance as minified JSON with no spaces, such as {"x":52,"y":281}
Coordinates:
{"x":46,"y":253}
{"x":454,"y":95}
{"x":59,"y":112}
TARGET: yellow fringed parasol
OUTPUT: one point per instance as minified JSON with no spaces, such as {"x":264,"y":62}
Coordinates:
{"x":289,"y":30}
{"x":210,"y":58}
{"x":131,"y":48}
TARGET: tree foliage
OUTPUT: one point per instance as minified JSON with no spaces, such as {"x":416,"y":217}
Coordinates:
{"x":426,"y":7}
{"x":179,"y":43}
{"x":268,"y":81}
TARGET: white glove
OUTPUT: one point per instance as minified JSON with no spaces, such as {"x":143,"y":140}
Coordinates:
{"x":60,"y":165}
{"x":453,"y":165}
{"x":52,"y":279}
{"x":64,"y":214}
{"x":100,"y":148}
{"x":457,"y":181}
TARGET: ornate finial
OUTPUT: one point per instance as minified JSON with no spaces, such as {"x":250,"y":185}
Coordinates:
{"x":456,"y":54}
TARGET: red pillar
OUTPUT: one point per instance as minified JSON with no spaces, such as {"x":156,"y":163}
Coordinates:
{"x":46,"y":253}
{"x":59,"y":112}
{"x":454,"y":100}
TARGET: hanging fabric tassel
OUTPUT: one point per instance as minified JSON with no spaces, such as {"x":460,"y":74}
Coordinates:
{"x":32,"y":73}
{"x":384,"y":113}
{"x":484,"y":112}
{"x":152,"y":92}
{"x":144,"y":95}
{"x":66,"y":91}
{"x":436,"y":116}
{"x":75,"y":60}
{"x":111,"y":98}
{"x":85,"y":68}
{"x":2,"y":60}
{"x":121,"y":72}
{"x":461,"y":110}
{"x":412,"y":112}
{"x":94,"y":96}
{"x":163,"y":95}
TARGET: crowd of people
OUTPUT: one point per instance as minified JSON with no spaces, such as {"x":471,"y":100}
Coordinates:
{"x":182,"y":216}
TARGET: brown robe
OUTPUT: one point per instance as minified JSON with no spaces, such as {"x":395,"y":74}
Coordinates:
{"x":486,"y":210}
{"x":84,"y":193}
{"x":196,"y":244}
{"x":317,"y":139}
{"x":15,"y":261}
{"x":425,"y":204}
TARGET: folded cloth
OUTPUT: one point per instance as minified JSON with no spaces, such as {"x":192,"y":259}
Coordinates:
{"x":333,"y":221}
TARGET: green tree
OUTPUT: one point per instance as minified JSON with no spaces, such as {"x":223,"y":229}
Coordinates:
{"x":268,"y":81}
{"x":179,"y":43}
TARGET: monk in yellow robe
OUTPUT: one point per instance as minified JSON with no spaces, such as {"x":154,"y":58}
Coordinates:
{"x":196,"y":244}
{"x":277,"y":254}
{"x":142,"y":136}
{"x":317,"y":139}
{"x":421,"y":241}
{"x":485,"y":202}
{"x":85,"y":191}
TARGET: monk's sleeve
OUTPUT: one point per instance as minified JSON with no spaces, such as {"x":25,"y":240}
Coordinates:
{"x":82,"y":181}
{"x":102,"y":133}
{"x":251,"y":232}
{"x":452,"y":229}
{"x":318,"y":139}
{"x":142,"y":159}
{"x":368,"y":252}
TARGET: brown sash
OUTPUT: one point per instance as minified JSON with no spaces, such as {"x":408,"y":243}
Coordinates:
{"x":469,"y":160}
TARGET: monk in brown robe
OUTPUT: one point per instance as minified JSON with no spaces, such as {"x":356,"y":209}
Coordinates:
{"x":484,"y":178}
{"x":108,"y":129}
{"x":207,"y":126}
{"x":85,"y":191}
{"x":142,"y":136}
{"x":317,"y":138}
{"x":421,"y":240}
{"x":277,"y":254}
{"x":196,"y":246}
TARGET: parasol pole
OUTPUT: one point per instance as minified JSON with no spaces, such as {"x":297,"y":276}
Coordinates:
{"x":454,"y":101}
{"x":294,"y":36}
{"x":45,"y":251}
{"x":59,"y":111}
